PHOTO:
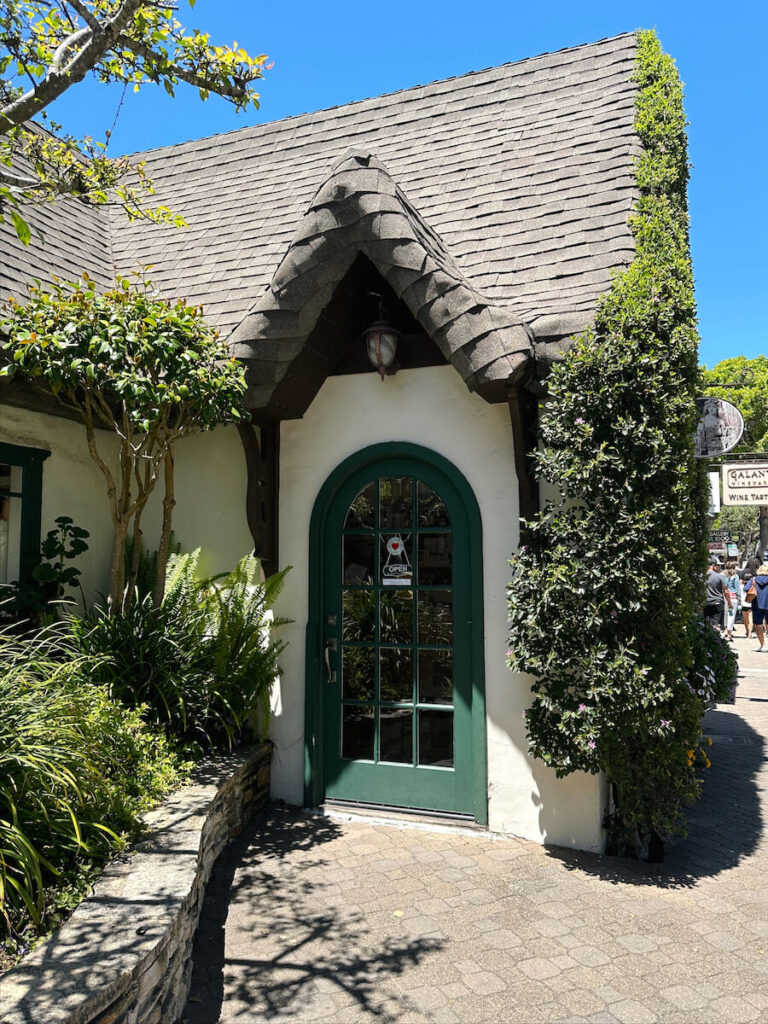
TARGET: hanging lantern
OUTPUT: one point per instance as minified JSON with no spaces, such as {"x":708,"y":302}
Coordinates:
{"x":381,"y":341}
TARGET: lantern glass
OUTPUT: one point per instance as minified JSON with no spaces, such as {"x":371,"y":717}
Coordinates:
{"x":382,"y":347}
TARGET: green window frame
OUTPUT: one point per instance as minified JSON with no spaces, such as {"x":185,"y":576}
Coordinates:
{"x":30,"y":461}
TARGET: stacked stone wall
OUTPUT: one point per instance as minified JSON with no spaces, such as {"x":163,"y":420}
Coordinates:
{"x":125,"y":955}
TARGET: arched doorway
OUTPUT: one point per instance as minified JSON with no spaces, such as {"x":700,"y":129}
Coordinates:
{"x":395,"y":686}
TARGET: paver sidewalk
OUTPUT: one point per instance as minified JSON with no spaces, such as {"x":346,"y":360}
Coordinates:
{"x":314,"y":918}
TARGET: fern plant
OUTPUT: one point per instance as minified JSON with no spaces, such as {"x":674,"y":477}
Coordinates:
{"x":202,"y":664}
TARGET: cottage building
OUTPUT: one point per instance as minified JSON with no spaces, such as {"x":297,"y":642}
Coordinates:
{"x":482,"y":217}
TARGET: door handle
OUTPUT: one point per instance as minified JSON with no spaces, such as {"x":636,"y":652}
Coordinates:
{"x":330,"y":646}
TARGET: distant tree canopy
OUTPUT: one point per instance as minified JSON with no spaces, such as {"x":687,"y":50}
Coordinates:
{"x":744,"y":383}
{"x":47,"y":46}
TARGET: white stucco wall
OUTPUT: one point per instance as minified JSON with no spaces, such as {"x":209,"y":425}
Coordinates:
{"x":72,"y":485}
{"x":431,"y":407}
{"x":210,"y":492}
{"x":210,"y":487}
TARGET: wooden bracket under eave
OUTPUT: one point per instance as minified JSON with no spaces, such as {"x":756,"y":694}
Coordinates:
{"x":262,"y":459}
{"x":524,"y":416}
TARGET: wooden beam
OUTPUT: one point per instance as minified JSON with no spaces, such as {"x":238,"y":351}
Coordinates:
{"x":524,"y":416}
{"x":262,"y":459}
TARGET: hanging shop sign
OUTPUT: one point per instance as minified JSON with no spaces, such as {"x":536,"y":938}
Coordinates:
{"x":397,"y":570}
{"x":719,"y":428}
{"x":745,"y":483}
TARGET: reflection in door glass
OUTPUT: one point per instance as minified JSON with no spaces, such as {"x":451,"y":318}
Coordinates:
{"x":436,"y":738}
{"x":361,"y":510}
{"x":396,"y":678}
{"x":359,"y":559}
{"x":435,"y":617}
{"x":396,"y":735}
{"x":435,"y":677}
{"x":435,"y":558}
{"x":396,"y":616}
{"x":396,"y":502}
{"x":357,"y":733}
{"x":359,"y":615}
{"x":432,"y":511}
{"x":358,"y":668}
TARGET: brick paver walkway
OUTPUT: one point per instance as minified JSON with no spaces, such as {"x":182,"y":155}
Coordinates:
{"x":314,"y":918}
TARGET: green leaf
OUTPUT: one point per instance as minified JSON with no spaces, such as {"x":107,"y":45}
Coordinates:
{"x":44,"y":573}
{"x":22,"y":228}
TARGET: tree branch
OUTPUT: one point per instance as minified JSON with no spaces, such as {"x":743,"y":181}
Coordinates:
{"x":86,"y":14}
{"x":233,"y":92}
{"x":58,"y":81}
{"x":90,"y":435}
{"x":17,"y":180}
{"x":64,"y":48}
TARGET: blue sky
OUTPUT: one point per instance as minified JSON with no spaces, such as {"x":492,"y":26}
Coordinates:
{"x":326,"y":54}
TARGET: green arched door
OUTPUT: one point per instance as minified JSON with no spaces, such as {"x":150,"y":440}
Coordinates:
{"x":396,"y":651}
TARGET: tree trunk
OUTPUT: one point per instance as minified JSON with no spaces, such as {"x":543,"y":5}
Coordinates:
{"x":138,"y":537}
{"x":117,"y":567}
{"x":165,"y":534}
{"x":763,"y":531}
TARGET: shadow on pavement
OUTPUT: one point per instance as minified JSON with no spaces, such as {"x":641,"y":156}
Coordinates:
{"x":320,"y":951}
{"x":724,"y":826}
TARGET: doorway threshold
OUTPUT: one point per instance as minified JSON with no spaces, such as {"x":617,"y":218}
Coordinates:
{"x":401,"y":817}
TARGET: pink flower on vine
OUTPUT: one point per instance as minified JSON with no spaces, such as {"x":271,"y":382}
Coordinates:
{"x":579,"y":420}
{"x":582,"y":707}
{"x":591,"y":744}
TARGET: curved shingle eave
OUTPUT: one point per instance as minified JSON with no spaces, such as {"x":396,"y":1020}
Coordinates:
{"x":360,"y":209}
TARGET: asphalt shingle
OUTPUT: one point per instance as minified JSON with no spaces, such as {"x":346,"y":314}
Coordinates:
{"x":518,"y":182}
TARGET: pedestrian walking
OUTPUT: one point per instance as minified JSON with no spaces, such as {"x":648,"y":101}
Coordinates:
{"x":734,"y":590}
{"x":718,"y":595}
{"x":753,"y":564}
{"x":759,"y":584}
{"x":746,"y":605}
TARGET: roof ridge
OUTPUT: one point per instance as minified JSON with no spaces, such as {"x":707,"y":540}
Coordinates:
{"x":384,"y":95}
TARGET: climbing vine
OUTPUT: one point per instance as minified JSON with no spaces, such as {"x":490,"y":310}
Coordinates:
{"x":607,"y":577}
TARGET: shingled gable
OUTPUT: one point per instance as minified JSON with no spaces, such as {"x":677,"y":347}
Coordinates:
{"x":359,"y":209}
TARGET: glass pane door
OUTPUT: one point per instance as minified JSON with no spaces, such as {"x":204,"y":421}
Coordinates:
{"x":397,"y":626}
{"x":398,"y":699}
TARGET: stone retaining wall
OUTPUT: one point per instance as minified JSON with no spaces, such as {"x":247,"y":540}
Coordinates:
{"x":124,"y":957}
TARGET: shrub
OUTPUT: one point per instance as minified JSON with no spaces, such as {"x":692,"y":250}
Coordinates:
{"x":201,"y":665}
{"x":607,"y":578}
{"x":76,"y":771}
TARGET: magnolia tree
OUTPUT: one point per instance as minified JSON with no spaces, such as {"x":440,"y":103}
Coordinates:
{"x":134,"y":367}
{"x":47,"y":46}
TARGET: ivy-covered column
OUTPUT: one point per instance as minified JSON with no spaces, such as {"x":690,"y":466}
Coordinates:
{"x":607,"y":578}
